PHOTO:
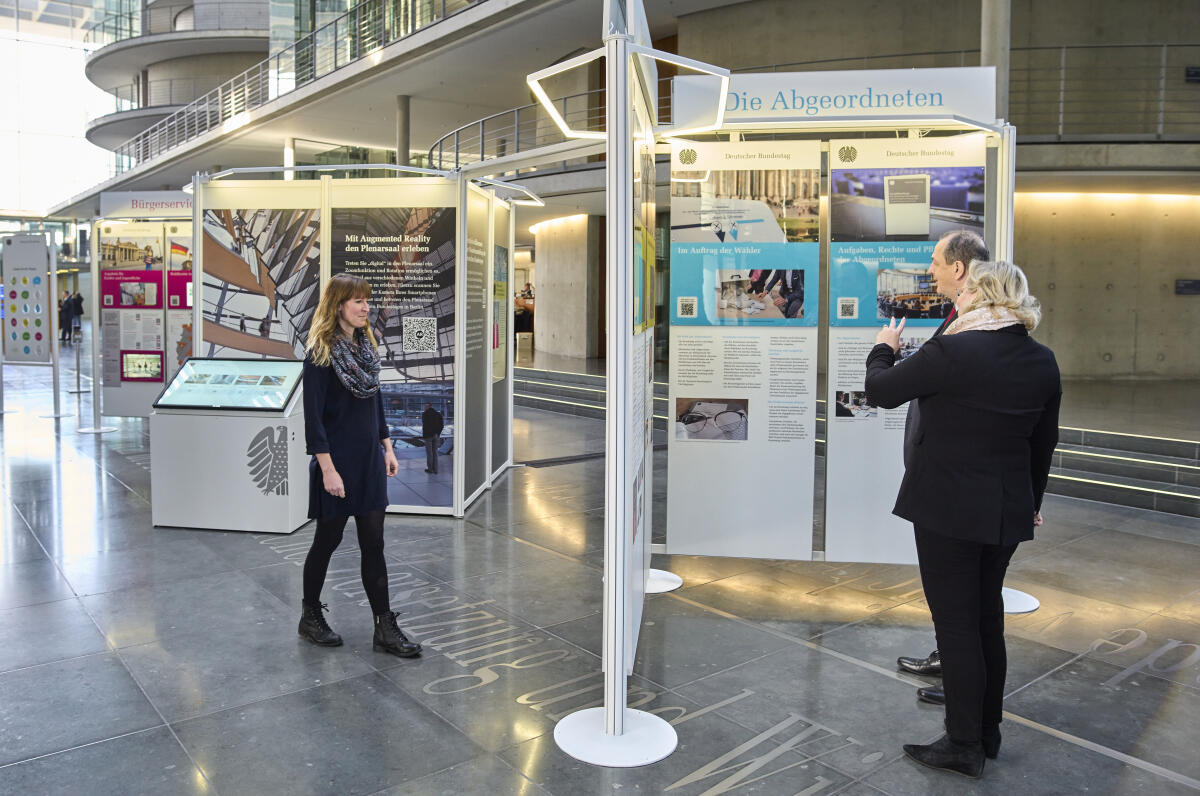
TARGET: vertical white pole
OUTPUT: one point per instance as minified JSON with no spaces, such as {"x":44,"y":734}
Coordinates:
{"x":460,"y":346}
{"x":96,"y":324}
{"x":489,"y":280}
{"x":1007,"y":166}
{"x":3,"y":344}
{"x":619,"y":244}
{"x":54,"y":359}
{"x":197,"y":264}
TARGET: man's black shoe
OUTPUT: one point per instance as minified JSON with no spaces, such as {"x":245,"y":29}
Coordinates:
{"x":946,"y":755}
{"x":933,"y":694}
{"x":926,"y":667}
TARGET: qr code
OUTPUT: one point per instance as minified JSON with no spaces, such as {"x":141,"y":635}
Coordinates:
{"x":420,"y":335}
{"x":174,"y":301}
{"x":108,"y":301}
{"x":848,"y":308}
{"x":685,"y":307}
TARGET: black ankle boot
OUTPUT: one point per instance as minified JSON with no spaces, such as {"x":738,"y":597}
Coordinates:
{"x":391,"y":639}
{"x":966,"y":759}
{"x":314,"y":627}
{"x":991,"y":743}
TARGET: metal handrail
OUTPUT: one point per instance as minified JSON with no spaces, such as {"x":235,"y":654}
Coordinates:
{"x":1056,"y":93}
{"x":364,"y":29}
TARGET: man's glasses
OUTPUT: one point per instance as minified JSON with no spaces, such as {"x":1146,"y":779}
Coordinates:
{"x":728,"y":422}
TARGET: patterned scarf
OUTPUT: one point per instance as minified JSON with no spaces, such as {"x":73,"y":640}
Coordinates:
{"x":983,"y":318}
{"x":356,"y":364}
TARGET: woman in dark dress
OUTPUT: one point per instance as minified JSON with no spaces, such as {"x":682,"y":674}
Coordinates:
{"x":989,"y":397}
{"x":347,"y":437}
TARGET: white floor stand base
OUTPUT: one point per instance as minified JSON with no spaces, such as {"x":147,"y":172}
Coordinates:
{"x":660,"y":581}
{"x":60,"y":414}
{"x":100,"y":430}
{"x":1018,"y":602}
{"x":647,"y":739}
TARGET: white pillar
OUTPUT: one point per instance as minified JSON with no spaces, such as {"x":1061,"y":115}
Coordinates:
{"x":289,"y":157}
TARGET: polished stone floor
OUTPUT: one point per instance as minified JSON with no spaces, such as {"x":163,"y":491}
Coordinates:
{"x":136,"y":660}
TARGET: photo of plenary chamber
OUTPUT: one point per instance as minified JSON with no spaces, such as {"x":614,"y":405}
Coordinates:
{"x":776,"y":206}
{"x":903,"y":293}
{"x":853,"y":405}
{"x":905,"y":204}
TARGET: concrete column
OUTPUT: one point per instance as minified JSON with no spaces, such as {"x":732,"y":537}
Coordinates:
{"x":568,"y":286}
{"x":995,"y":35}
{"x":402,"y":130}
{"x":289,"y":157}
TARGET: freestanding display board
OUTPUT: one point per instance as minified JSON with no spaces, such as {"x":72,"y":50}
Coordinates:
{"x":744,"y":284}
{"x":427,"y":246}
{"x":502,"y":351}
{"x":143,"y":287}
{"x":30,"y":309}
{"x":890,"y":201}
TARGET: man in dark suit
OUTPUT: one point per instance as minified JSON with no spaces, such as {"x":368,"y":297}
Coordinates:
{"x":432,"y":424}
{"x":980,"y":459}
{"x":948,"y":269}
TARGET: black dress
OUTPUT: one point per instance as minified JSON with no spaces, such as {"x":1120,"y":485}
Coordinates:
{"x":349,"y":429}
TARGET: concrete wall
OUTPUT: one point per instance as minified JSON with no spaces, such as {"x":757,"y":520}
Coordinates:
{"x":1104,"y":267}
{"x":765,"y":32}
{"x":181,"y":80}
{"x":568,"y":286}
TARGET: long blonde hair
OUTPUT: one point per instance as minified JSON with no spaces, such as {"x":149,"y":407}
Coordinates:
{"x":325,"y":327}
{"x":1000,"y":284}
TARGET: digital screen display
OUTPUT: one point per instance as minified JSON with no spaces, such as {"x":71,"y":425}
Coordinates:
{"x":243,"y":384}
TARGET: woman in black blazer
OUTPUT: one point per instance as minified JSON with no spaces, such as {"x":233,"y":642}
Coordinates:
{"x":988,"y":397}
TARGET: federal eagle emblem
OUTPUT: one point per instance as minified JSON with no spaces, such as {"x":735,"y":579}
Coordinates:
{"x":267,"y":459}
{"x":847,"y":154}
{"x":687,"y":156}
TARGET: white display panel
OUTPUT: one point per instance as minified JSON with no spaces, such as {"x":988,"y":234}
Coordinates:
{"x":743,"y":374}
{"x":28,"y":325}
{"x":890,"y":202}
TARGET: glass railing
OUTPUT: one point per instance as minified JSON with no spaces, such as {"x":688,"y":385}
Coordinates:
{"x":177,"y":17}
{"x":364,"y":29}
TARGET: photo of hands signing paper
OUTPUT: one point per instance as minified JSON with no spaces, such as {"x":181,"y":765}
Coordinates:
{"x":719,"y":419}
{"x":774,"y":294}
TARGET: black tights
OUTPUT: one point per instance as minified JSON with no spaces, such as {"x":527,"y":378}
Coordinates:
{"x":370,"y":542}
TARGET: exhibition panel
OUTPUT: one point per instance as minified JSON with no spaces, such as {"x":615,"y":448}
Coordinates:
{"x":744,"y":262}
{"x":401,"y":236}
{"x":274,"y":243}
{"x":502,"y":350}
{"x":638,"y":387}
{"x":476,"y":301}
{"x":30,"y":307}
{"x":145,"y":290}
{"x":227,"y":447}
{"x":260,"y":260}
{"x":890,"y":202}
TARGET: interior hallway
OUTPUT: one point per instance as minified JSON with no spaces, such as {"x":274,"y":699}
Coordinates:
{"x":135,"y":659}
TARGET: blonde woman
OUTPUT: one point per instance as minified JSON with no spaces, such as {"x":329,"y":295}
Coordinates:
{"x":347,"y":437}
{"x":989,"y":398}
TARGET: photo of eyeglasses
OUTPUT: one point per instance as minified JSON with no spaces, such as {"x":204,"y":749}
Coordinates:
{"x":711,"y":420}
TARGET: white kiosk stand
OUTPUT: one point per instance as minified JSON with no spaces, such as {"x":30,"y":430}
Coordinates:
{"x":227,"y":447}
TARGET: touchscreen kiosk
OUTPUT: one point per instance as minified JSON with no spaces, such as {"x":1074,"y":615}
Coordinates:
{"x":227,"y":447}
